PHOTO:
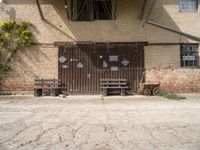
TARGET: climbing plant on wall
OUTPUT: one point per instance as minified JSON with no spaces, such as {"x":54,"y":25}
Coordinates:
{"x":13,"y":36}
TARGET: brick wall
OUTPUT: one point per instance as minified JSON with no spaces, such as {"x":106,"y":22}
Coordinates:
{"x":176,"y":80}
{"x":163,"y":66}
{"x":29,"y":64}
{"x":162,"y":56}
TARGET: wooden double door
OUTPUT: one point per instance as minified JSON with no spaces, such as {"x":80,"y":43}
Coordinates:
{"x":81,"y":66}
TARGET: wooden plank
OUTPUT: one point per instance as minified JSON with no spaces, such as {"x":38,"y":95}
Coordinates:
{"x":113,"y":80}
{"x":47,"y":84}
{"x":121,"y":87}
{"x":113,"y":83}
{"x":47,"y":87}
{"x":47,"y":80}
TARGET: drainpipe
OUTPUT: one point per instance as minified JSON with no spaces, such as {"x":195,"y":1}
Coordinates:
{"x":173,"y":30}
{"x":40,"y":10}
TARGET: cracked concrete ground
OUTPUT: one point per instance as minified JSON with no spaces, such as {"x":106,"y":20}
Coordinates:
{"x":93,"y":123}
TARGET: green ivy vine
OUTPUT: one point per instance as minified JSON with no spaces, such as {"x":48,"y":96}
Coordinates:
{"x":13,"y":36}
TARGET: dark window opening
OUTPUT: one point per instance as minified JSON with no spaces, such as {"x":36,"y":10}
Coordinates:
{"x":189,"y":55}
{"x":89,"y":10}
{"x":103,"y":9}
{"x":81,"y":10}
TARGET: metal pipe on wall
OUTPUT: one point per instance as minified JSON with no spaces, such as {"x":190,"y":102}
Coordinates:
{"x":173,"y":30}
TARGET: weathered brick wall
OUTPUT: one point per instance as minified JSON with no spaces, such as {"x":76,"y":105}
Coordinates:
{"x":29,"y":64}
{"x":163,"y":66}
{"x":176,"y":80}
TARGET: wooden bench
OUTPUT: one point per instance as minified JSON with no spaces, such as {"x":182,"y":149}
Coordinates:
{"x":113,"y":84}
{"x":52,"y":86}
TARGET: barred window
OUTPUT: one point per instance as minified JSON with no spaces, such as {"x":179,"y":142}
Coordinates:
{"x":189,"y":55}
{"x":188,"y":5}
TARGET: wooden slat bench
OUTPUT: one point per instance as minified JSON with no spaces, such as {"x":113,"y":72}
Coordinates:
{"x":52,"y":86}
{"x":113,"y":84}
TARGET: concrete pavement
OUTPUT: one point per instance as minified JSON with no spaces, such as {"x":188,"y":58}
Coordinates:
{"x":96,"y":123}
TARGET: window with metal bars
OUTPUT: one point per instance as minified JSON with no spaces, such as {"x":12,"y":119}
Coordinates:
{"x":189,"y":55}
{"x":90,"y":10}
{"x":188,"y":5}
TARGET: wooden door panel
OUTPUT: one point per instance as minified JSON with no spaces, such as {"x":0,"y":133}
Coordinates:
{"x":87,"y":79}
